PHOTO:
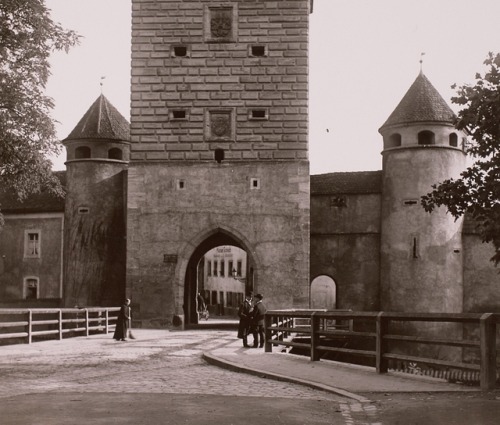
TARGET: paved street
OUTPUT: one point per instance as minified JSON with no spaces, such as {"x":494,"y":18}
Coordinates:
{"x":161,"y":378}
{"x":158,"y":378}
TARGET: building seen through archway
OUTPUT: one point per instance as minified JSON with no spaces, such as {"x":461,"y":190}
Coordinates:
{"x":222,"y":280}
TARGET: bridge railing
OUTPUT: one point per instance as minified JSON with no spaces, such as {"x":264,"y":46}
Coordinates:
{"x":311,"y":330}
{"x":26,"y":324}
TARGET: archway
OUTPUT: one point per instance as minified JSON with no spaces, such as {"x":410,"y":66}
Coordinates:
{"x":323,"y":293}
{"x":214,"y":257}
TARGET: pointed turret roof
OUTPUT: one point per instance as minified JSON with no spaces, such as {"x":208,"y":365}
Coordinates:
{"x":101,"y":121}
{"x":422,"y":102}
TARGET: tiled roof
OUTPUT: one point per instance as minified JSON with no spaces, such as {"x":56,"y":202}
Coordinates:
{"x":422,"y":102}
{"x":38,"y":203}
{"x":346,"y":183}
{"x":101,"y":121}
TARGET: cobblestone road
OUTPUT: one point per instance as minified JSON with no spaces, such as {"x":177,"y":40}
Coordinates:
{"x":157,"y":362}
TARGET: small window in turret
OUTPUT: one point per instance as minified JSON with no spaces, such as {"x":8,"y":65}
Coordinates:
{"x":82,"y":152}
{"x":115,"y":153}
{"x":453,"y":138}
{"x":426,"y":137}
{"x":393,"y":141}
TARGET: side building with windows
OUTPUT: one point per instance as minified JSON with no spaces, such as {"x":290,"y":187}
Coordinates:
{"x":31,"y":250}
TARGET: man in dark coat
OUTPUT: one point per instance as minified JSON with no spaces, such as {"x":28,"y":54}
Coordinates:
{"x":244,"y":313}
{"x":122,"y":322}
{"x":259,"y":310}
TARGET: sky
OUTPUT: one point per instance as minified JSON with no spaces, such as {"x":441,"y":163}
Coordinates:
{"x":363,"y":57}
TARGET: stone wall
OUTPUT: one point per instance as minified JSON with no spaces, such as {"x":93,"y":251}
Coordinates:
{"x":345,"y":245}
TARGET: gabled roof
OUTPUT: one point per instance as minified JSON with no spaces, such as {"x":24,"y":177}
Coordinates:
{"x":359,"y":182}
{"x":422,"y":102}
{"x":101,"y":121}
{"x":42,"y":202}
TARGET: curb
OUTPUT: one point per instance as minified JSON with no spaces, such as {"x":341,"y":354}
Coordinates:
{"x":226,"y":364}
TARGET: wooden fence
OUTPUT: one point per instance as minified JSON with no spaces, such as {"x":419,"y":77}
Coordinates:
{"x":25,"y":324}
{"x":284,"y":327}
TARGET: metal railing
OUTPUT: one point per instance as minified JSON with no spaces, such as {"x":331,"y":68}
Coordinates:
{"x":26,"y":324}
{"x":313,"y":330}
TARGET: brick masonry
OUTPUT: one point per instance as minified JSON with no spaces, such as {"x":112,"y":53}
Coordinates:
{"x":219,"y":100}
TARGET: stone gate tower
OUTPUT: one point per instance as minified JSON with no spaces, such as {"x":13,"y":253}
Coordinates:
{"x":219,"y":152}
{"x":421,"y":253}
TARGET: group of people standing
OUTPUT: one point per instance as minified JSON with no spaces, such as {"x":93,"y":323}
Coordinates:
{"x":251,"y":314}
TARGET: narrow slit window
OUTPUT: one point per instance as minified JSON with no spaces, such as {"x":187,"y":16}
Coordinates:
{"x":83,"y":210}
{"x":181,"y":184}
{"x":219,"y":155}
{"x":410,"y":202}
{"x":414,"y":247}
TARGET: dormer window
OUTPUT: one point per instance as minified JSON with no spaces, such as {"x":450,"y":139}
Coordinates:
{"x":82,"y":152}
{"x":426,"y":138}
{"x":453,"y":139}
{"x":393,"y":141}
{"x":115,"y":153}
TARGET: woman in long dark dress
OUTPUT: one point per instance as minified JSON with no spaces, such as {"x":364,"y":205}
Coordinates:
{"x":122,"y":322}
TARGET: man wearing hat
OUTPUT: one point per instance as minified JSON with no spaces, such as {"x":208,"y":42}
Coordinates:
{"x":259,"y":310}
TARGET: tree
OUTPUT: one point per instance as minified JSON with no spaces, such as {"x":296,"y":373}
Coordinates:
{"x":477,"y":191}
{"x":27,"y":133}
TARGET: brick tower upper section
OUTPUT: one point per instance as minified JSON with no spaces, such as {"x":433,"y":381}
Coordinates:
{"x":216,"y":78}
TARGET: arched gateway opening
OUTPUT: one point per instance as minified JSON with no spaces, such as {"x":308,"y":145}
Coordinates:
{"x":220,"y":270}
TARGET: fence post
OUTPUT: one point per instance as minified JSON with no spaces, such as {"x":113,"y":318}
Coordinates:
{"x":86,"y":322}
{"x":381,"y":363}
{"x":59,"y":319}
{"x":488,"y":373}
{"x":315,"y":322}
{"x":268,"y":347}
{"x":30,"y":326}
{"x":107,"y":322}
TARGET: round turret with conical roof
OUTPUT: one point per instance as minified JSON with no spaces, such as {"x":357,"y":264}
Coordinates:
{"x":98,"y":151}
{"x":421,"y":253}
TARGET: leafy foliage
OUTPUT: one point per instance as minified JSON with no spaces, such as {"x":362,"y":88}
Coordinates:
{"x":27,"y":133}
{"x":477,"y":191}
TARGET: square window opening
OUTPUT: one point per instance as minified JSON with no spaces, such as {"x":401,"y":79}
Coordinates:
{"x":258,"y":114}
{"x":179,"y":114}
{"x":258,"y":51}
{"x":254,"y":184}
{"x":180,"y":51}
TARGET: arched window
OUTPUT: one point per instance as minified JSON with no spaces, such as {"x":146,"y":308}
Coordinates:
{"x":453,"y":138}
{"x":323,"y":293}
{"x":115,"y":153}
{"x":82,"y":152}
{"x":394,"y":140}
{"x":426,"y":138}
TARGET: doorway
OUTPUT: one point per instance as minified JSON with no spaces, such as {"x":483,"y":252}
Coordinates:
{"x":323,"y":293}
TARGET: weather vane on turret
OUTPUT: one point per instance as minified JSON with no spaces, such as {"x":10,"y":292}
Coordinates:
{"x":102,"y":83}
{"x":421,"y":60}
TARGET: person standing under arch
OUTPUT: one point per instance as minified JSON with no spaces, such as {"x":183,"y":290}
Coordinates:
{"x":259,"y":310}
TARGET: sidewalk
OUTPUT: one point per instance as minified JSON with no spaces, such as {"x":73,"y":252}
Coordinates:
{"x":344,"y":379}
